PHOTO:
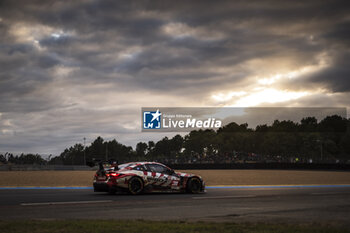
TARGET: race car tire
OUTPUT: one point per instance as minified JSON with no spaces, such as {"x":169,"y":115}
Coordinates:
{"x":135,"y":185}
{"x":194,"y":185}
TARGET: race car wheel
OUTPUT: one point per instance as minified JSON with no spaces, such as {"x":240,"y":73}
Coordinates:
{"x":135,"y":185}
{"x":194,"y":185}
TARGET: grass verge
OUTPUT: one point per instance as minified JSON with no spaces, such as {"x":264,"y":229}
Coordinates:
{"x":86,"y":226}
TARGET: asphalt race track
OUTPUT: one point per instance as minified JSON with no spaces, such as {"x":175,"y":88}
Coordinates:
{"x":303,"y":204}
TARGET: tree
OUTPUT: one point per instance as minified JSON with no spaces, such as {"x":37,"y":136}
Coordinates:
{"x":73,"y":156}
{"x":282,"y":139}
{"x":141,"y":149}
{"x":308,"y":124}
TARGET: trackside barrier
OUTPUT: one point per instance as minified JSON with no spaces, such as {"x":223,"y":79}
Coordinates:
{"x":283,"y":166}
{"x":25,"y":167}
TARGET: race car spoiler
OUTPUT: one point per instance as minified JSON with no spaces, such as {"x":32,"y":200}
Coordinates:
{"x":101,"y":162}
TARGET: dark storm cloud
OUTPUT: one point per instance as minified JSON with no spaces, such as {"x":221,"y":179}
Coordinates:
{"x":340,"y":32}
{"x":334,"y":77}
{"x":114,"y":25}
{"x":23,"y":72}
{"x":57,"y":57}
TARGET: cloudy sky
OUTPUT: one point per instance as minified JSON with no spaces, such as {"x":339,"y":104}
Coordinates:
{"x":86,"y":68}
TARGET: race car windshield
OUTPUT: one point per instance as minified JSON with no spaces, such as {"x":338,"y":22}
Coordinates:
{"x":159,"y":168}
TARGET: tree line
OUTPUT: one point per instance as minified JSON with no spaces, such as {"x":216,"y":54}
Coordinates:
{"x":307,"y":141}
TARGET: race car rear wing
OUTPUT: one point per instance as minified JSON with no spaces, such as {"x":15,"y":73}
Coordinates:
{"x":101,"y":162}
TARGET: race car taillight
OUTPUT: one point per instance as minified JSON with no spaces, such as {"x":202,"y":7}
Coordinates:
{"x":114,"y":174}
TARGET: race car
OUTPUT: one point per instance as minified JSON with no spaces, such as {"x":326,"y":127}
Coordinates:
{"x":145,"y":177}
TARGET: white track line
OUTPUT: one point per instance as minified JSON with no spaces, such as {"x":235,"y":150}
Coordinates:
{"x":65,"y":203}
{"x":223,"y":197}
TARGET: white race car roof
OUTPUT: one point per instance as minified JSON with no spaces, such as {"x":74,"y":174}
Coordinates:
{"x":132,"y":164}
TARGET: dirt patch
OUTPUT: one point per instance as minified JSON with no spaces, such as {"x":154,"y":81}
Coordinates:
{"x":46,"y":178}
{"x":271,"y":177}
{"x":211,"y":177}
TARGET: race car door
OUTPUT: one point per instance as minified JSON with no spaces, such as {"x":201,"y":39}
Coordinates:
{"x":162,"y":177}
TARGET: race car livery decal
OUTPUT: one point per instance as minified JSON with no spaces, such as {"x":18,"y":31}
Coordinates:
{"x":119,"y":177}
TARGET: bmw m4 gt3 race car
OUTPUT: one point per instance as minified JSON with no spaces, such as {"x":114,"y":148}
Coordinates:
{"x":144,"y":177}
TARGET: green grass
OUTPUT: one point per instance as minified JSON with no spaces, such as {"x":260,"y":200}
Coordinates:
{"x":141,"y":226}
